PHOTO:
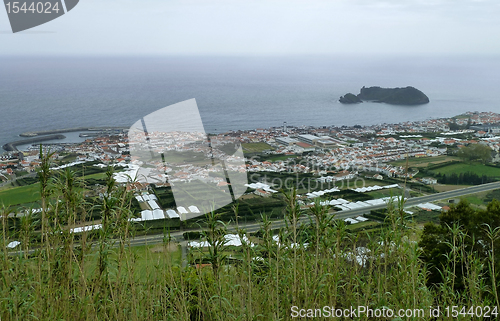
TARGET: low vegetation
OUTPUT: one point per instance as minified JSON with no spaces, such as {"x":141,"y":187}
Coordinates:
{"x":416,"y":162}
{"x":456,"y":172}
{"x":99,"y":275}
{"x":20,"y":195}
{"x":474,"y":152}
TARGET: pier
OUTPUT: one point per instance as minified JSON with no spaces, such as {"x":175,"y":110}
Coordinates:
{"x":13,"y":146}
{"x":68,"y":130}
{"x":40,"y":136}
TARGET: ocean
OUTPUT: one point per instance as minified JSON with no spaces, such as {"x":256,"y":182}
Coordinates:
{"x":43,"y":93}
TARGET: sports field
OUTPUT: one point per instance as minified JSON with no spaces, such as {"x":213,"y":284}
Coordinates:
{"x":255,"y":147}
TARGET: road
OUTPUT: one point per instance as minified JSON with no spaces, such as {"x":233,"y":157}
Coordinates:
{"x":16,"y":178}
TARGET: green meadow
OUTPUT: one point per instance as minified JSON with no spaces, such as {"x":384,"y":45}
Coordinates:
{"x":20,"y":195}
{"x":476,"y":168}
{"x":424,"y":161}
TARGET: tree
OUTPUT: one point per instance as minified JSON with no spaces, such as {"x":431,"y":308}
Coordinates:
{"x":475,"y":152}
{"x":469,"y":123}
{"x":433,"y":244}
{"x":453,"y":125}
{"x":462,"y":231}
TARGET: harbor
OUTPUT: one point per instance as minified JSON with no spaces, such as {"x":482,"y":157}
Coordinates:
{"x":76,"y":129}
{"x":10,"y":147}
{"x":57,"y":135}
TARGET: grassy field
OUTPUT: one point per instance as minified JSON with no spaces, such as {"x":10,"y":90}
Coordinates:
{"x":255,"y":147}
{"x":144,"y":257}
{"x":96,"y":176}
{"x":373,"y":182}
{"x":30,"y":193}
{"x":445,"y":188}
{"x":20,"y":195}
{"x":477,"y":200}
{"x":10,"y":196}
{"x":424,"y":161}
{"x":476,"y":168}
{"x":152,"y":255}
{"x":365,"y":225}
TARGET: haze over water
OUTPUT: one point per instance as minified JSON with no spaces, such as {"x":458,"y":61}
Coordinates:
{"x":235,"y":93}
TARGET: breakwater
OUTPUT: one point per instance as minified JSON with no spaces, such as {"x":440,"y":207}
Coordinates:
{"x":67,"y":130}
{"x":13,"y":145}
{"x":40,"y":136}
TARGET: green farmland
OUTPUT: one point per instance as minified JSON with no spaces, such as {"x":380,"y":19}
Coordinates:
{"x":20,"y":195}
{"x":476,"y":168}
{"x":424,"y":161}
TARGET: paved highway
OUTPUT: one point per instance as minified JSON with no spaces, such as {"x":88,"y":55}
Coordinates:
{"x":16,"y":178}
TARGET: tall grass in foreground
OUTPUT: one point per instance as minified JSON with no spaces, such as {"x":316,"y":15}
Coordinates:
{"x":105,"y":279}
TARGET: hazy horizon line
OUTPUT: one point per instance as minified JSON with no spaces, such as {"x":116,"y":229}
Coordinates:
{"x":254,"y":55}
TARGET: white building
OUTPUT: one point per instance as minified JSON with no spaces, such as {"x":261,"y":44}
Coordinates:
{"x":287,"y":141}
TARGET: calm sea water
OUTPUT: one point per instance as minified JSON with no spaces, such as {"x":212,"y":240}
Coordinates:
{"x":234,"y":93}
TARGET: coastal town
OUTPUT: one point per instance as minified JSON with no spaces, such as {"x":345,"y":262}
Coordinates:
{"x":352,"y":149}
{"x":328,"y":155}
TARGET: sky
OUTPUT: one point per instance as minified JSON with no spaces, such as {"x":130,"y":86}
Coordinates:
{"x":263,"y":27}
